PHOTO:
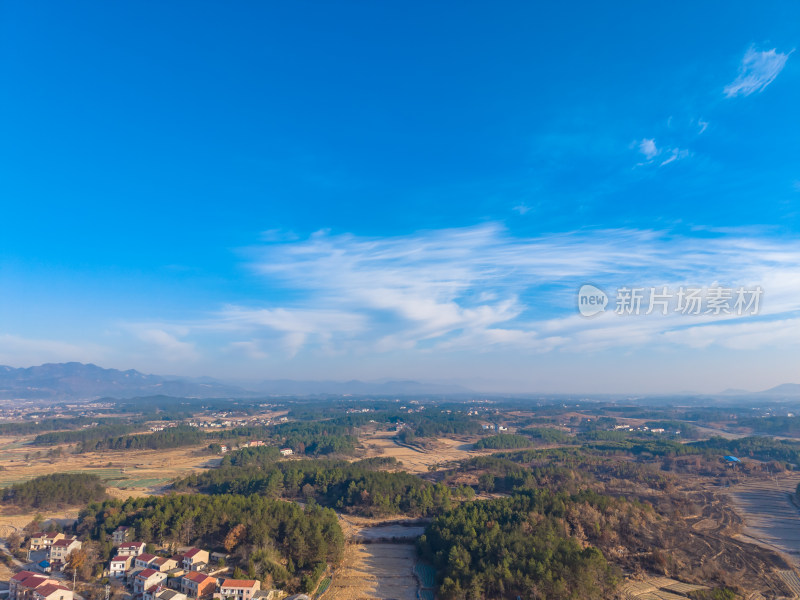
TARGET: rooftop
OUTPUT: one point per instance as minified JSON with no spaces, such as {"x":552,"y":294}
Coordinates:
{"x":238,"y":583}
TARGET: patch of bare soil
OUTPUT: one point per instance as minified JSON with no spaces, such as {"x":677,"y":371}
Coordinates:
{"x":418,"y":459}
{"x":771,"y":519}
{"x":378,"y":571}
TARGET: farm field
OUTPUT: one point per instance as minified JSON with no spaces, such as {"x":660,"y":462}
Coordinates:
{"x":382,"y":443}
{"x":130,"y":469}
{"x":771,"y":519}
{"x":375,"y":569}
{"x":658,"y":588}
{"x":127,"y":473}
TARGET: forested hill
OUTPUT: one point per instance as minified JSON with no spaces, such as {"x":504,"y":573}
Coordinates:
{"x":288,"y":545}
{"x":54,"y":490}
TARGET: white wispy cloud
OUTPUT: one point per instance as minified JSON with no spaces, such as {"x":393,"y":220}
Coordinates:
{"x":648,"y":148}
{"x":480,"y":288}
{"x":167,"y":344}
{"x":675,"y":154}
{"x":757,"y":70}
{"x":652,"y":152}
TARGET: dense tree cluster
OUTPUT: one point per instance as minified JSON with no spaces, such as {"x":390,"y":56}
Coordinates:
{"x":503,"y":441}
{"x":86,"y":436}
{"x":548,"y":435}
{"x":515,"y":547}
{"x":788,"y":426}
{"x":257,"y":456}
{"x":358,"y":487}
{"x":172,"y":437}
{"x":431,"y":422}
{"x":277,"y":541}
{"x":757,"y":447}
{"x":316,"y":439}
{"x":54,"y":490}
{"x":54,"y":424}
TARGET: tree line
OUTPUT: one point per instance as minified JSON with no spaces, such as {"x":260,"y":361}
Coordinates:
{"x":359,"y":487}
{"x":57,"y":489}
{"x":515,"y":547}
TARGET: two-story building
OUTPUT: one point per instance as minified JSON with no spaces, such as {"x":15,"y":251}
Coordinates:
{"x":52,"y":591}
{"x":119,"y":565}
{"x":164,"y":564}
{"x":131,"y":549}
{"x":61,"y":549}
{"x":44,"y":539}
{"x":167,"y":594}
{"x":238,"y":589}
{"x":147,"y":579}
{"x":198,"y":585}
{"x":144,"y":560}
{"x":122,"y":534}
{"x":195,"y":559}
{"x":22,"y":585}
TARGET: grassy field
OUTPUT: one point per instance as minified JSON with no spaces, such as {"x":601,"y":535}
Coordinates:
{"x":382,"y":443}
{"x":126,"y":473}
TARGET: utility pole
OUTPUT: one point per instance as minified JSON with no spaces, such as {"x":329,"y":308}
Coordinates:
{"x":108,"y":590}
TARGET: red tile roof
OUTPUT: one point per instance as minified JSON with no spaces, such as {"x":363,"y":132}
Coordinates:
{"x":146,"y":557}
{"x":33,"y":581}
{"x":50,"y":588}
{"x":191,"y":552}
{"x":145,"y":573}
{"x":239,"y":583}
{"x":197,"y":576}
{"x":23,"y":575}
{"x":121,"y":558}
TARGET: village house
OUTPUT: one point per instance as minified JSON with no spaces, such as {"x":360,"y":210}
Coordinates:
{"x":147,"y":579}
{"x":164,"y":564}
{"x":144,"y":560}
{"x":122,"y":534}
{"x":119,"y":565}
{"x":131,"y":549}
{"x":22,"y":585}
{"x":43,"y":540}
{"x":52,"y":591}
{"x":161,"y":591}
{"x":197,"y":585}
{"x":238,"y":589}
{"x":286,"y":451}
{"x":195,"y":559}
{"x":61,"y":549}
{"x":167,"y":594}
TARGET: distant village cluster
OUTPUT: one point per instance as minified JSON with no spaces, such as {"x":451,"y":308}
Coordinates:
{"x":188,"y":575}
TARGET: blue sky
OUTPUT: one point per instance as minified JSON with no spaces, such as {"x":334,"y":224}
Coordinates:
{"x":394,"y":190}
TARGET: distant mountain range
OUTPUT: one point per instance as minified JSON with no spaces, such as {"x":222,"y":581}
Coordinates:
{"x":78,"y":381}
{"x":785,"y":390}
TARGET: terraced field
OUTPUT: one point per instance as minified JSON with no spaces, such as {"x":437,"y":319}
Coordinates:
{"x":658,"y":588}
{"x":771,"y":519}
